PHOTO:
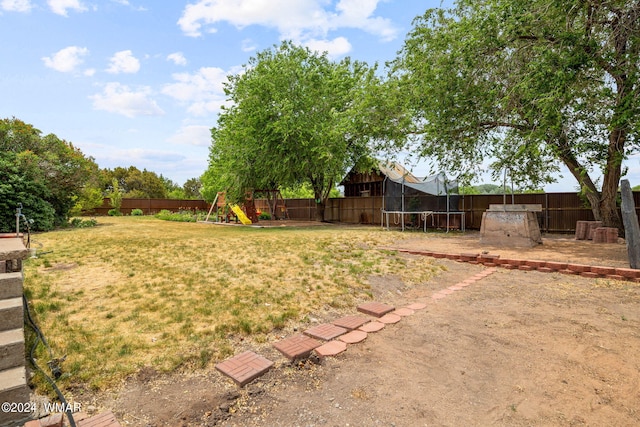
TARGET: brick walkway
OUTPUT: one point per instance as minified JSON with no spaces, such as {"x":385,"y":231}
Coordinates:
{"x":105,"y":419}
{"x":331,"y":339}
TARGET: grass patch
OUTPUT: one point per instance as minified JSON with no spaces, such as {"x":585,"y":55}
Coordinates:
{"x":138,"y":291}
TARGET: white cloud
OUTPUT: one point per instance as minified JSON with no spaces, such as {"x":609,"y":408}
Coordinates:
{"x":299,"y":20}
{"x":248,"y":45}
{"x":198,"y":135}
{"x":160,"y":161}
{"x":60,"y":7}
{"x":66,"y":60}
{"x":358,"y":14}
{"x":16,"y":5}
{"x":120,"y":99}
{"x":127,"y":3}
{"x":335,"y":48}
{"x":177,"y":58}
{"x":203,"y":90}
{"x":123,"y":62}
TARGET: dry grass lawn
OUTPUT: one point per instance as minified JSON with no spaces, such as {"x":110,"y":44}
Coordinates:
{"x":137,"y":291}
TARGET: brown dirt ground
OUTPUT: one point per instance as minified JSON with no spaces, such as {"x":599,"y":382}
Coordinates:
{"x":514,"y":349}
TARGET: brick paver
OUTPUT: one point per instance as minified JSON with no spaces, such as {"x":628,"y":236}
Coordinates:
{"x":353,"y":337}
{"x":325,"y":331}
{"x":390,"y":318}
{"x":331,"y":348}
{"x":106,"y":419}
{"x":372,"y":327}
{"x":403,"y":312}
{"x":297,"y":346}
{"x":351,"y":322}
{"x":417,"y":306}
{"x":375,"y":309}
{"x":244,"y":367}
{"x":81,"y":419}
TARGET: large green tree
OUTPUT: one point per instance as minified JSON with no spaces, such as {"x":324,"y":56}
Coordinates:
{"x":134,"y":183}
{"x":529,"y":84}
{"x":294,"y":118}
{"x":45,"y":174}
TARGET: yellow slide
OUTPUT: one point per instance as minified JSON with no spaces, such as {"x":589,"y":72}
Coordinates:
{"x":241,"y":216}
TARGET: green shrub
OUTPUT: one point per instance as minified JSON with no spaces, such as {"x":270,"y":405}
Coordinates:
{"x":137,"y":212}
{"x":264,"y":216}
{"x":82,"y":223}
{"x":114,"y":212}
{"x":184,"y":216}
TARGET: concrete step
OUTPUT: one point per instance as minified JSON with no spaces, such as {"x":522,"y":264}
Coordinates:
{"x":11,"y":314}
{"x":10,"y":285}
{"x":13,"y":389}
{"x":11,"y":349}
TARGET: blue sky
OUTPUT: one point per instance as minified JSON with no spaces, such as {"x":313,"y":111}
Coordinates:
{"x":139,"y":82}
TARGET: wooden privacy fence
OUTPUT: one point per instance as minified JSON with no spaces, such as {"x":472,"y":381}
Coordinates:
{"x":152,"y":206}
{"x":560,"y":211}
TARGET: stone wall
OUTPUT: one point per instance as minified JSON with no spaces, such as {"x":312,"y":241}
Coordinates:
{"x":13,"y":383}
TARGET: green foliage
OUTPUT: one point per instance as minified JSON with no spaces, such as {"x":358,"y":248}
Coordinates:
{"x":82,"y":223}
{"x":90,"y":197}
{"x":296,"y":117}
{"x":191,"y":189}
{"x":137,"y":212}
{"x":494,"y":189}
{"x":528,"y":84}
{"x":265,"y":216}
{"x":182,"y":216}
{"x":468,"y":190}
{"x":115,"y":195}
{"x":44,"y":173}
{"x":19,"y":184}
{"x":173,"y":190}
{"x":176,"y":194}
{"x":305,"y":191}
{"x":136,"y":184}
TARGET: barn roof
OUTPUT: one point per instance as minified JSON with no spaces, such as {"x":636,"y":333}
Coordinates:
{"x":438,"y":185}
{"x":396,"y":172}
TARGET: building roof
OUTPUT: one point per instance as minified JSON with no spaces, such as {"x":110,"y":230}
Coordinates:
{"x":396,"y":172}
{"x":438,"y":185}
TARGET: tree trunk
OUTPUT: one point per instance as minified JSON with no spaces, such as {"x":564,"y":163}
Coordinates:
{"x":611,"y":180}
{"x":587,"y":186}
{"x":320,"y":205}
{"x":321,"y":192}
{"x":603,"y":203}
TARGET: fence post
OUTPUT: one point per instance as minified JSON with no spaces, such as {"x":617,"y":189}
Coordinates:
{"x":630,"y":221}
{"x":546,"y":212}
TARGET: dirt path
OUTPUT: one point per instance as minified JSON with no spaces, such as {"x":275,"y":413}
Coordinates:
{"x":516,"y":348}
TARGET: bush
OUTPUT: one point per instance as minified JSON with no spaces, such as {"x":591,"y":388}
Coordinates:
{"x":264,"y":216}
{"x":184,"y":216}
{"x":82,"y":223}
{"x":137,"y":212}
{"x":114,"y":212}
